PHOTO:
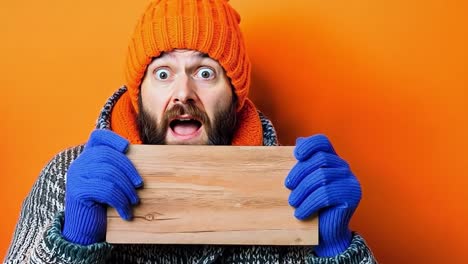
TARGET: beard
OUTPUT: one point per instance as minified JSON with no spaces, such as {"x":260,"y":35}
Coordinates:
{"x":220,"y":130}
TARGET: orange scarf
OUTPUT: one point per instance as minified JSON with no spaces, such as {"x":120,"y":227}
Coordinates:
{"x":248,"y":131}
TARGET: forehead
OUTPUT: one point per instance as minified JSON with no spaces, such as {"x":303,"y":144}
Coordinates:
{"x":183,"y":55}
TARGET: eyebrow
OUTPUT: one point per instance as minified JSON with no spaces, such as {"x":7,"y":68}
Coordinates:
{"x":170,"y":54}
{"x":203,"y":55}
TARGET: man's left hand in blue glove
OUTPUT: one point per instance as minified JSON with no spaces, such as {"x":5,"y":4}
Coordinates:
{"x":321,"y":182}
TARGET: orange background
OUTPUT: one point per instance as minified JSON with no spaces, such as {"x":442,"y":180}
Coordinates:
{"x":385,"y":80}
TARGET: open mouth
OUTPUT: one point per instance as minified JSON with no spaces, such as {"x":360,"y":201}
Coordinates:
{"x":185,"y":126}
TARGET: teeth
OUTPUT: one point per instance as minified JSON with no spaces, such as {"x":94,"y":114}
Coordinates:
{"x":185,"y":119}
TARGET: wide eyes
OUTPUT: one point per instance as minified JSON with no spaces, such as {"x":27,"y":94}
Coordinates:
{"x":203,"y":73}
{"x":162,"y":74}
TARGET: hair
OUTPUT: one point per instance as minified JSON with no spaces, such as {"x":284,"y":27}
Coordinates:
{"x":220,"y":130}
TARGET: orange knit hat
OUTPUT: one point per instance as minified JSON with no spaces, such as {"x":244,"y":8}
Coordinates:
{"x":208,"y":26}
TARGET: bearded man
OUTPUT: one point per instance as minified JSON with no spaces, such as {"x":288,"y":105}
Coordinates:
{"x":187,"y":81}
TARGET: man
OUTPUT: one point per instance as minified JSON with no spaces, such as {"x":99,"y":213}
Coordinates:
{"x":188,"y":77}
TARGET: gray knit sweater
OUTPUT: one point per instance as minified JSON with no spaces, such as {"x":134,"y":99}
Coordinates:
{"x":38,"y":239}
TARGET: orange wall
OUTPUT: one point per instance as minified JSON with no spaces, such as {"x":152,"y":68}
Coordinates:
{"x":386,"y":80}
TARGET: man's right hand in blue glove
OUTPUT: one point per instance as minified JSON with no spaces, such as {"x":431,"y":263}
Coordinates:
{"x":102,"y":175}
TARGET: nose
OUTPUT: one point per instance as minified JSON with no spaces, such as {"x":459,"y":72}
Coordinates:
{"x":184,"y":90}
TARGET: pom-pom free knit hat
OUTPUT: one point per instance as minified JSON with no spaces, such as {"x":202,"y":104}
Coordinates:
{"x":208,"y":26}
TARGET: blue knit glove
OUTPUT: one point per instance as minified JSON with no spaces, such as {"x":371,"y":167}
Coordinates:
{"x":321,"y":182}
{"x":102,"y":175}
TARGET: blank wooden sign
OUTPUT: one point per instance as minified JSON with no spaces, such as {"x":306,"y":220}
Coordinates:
{"x":212,"y":195}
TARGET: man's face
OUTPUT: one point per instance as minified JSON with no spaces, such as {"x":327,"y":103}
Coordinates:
{"x":186,"y":98}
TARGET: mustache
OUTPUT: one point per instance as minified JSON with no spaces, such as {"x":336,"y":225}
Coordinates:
{"x":186,"y":109}
{"x":220,"y":130}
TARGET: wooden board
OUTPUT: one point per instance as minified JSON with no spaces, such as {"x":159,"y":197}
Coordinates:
{"x":212,"y":195}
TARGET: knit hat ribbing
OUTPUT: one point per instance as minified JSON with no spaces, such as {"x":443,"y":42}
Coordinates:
{"x":208,"y":26}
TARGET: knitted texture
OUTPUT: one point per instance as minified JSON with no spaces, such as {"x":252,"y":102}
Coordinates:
{"x":208,"y":26}
{"x":37,"y":237}
{"x":124,"y":119}
{"x":321,"y":182}
{"x":69,"y":252}
{"x":248,"y":131}
{"x":101,"y":176}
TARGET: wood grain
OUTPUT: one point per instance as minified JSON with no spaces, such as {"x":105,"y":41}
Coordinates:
{"x":212,"y":195}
